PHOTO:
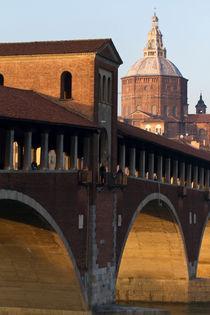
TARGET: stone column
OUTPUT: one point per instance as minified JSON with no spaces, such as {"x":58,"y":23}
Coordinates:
{"x":122,"y":157}
{"x":86,"y":153}
{"x":142,"y":164}
{"x":201,"y":180}
{"x":27,"y":150}
{"x":20,"y":156}
{"x":168,"y":170}
{"x":195,"y":177}
{"x":160,"y":168}
{"x":189,"y":175}
{"x":151,"y":166}
{"x":175,"y":171}
{"x":207,"y":175}
{"x":182,"y":174}
{"x":74,"y":152}
{"x":132,"y":161}
{"x":44,"y":151}
{"x":59,"y":152}
{"x":8,"y":163}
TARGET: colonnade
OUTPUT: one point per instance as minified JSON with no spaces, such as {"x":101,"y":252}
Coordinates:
{"x":73,"y":152}
{"x":164,"y":169}
{"x":21,"y":155}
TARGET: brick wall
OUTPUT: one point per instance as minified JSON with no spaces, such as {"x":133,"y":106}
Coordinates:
{"x":43,"y":73}
{"x":64,"y":200}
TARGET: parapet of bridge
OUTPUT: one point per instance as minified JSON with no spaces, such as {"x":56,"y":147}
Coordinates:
{"x":92,"y":210}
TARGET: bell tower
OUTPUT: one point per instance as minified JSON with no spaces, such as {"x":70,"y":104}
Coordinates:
{"x":201,"y":106}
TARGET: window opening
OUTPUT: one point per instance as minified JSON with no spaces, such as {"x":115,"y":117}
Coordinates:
{"x":66,"y":85}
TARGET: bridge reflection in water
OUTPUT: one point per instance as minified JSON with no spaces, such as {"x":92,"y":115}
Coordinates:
{"x":179,"y":308}
{"x":35,"y":269}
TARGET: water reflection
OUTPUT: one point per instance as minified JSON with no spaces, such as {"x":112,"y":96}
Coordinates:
{"x":178,"y":308}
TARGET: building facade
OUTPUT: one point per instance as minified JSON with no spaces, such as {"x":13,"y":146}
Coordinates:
{"x":154,"y":94}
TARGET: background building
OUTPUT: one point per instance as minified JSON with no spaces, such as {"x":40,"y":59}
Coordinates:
{"x":154,"y":96}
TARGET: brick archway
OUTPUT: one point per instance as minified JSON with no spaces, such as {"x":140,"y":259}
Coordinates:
{"x":154,"y":249}
{"x":203,"y":263}
{"x":41,"y":260}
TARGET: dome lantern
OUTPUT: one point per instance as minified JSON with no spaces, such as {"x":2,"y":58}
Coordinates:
{"x":154,"y":61}
{"x":154,"y":46}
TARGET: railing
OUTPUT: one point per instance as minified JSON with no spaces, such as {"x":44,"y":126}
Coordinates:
{"x":113,"y":180}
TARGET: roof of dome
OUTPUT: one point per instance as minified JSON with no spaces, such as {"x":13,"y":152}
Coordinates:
{"x":154,"y":66}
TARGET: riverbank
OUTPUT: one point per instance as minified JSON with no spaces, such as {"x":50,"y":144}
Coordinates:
{"x":107,"y":310}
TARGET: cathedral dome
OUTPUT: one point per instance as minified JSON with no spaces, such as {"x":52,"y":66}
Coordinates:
{"x":154,"y":61}
{"x":154,"y":66}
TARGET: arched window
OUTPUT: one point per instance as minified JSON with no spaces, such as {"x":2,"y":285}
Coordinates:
{"x":158,"y":130}
{"x":174,"y":111}
{"x":99,"y":87}
{"x":154,"y":112}
{"x":148,"y":128}
{"x":1,"y":79}
{"x":109,"y":98}
{"x":104,"y":89}
{"x":66,"y":85}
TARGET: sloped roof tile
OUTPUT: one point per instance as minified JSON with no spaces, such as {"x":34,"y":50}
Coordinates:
{"x":134,"y":132}
{"x":29,"y":105}
{"x":52,"y":47}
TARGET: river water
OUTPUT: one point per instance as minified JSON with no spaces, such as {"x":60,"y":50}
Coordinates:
{"x":178,"y":308}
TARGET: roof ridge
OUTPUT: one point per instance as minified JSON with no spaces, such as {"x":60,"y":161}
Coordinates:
{"x":57,"y":41}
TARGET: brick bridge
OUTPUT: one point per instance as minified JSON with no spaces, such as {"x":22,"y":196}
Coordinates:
{"x":71,"y":235}
{"x":71,"y":241}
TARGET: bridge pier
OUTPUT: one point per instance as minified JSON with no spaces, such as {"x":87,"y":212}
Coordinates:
{"x":101,"y":279}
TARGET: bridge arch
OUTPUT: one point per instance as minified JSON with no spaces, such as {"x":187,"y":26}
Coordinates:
{"x":154,"y":250}
{"x":203,"y":262}
{"x":61,"y":286}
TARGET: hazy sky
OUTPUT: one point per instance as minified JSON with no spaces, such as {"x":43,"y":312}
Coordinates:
{"x":185,"y":25}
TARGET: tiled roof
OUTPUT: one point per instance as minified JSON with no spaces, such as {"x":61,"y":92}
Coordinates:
{"x":134,"y":132}
{"x":198,"y":118}
{"x":52,"y":47}
{"x":29,"y":105}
